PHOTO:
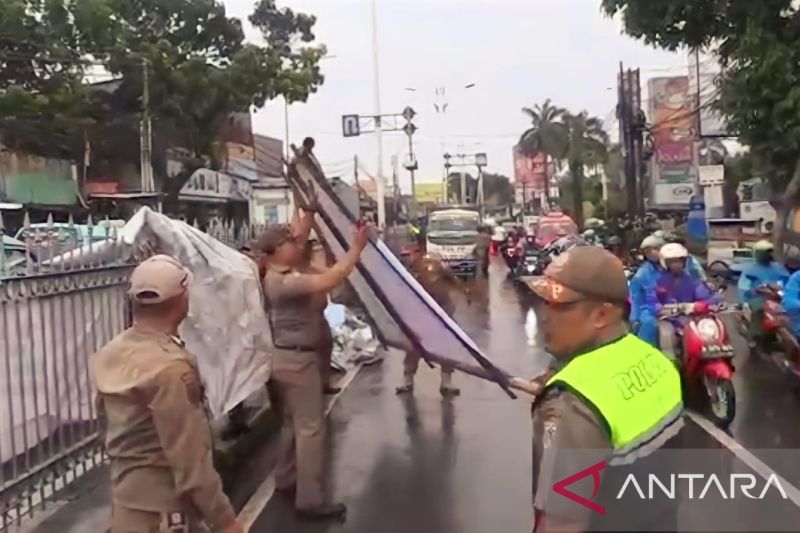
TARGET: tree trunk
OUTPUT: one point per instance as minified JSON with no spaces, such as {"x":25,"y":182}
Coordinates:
{"x":576,"y":170}
{"x":788,"y":200}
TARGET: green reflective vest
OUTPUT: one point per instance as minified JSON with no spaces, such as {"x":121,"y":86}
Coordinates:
{"x":634,"y":387}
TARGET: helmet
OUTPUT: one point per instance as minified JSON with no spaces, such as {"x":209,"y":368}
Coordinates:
{"x":594,"y":223}
{"x":588,"y":233}
{"x":614,"y":241}
{"x":652,"y":241}
{"x":675,"y":238}
{"x":672,"y":250}
{"x":763,"y":246}
{"x":661,"y":234}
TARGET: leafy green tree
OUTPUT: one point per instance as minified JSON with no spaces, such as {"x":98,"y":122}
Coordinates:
{"x":200,"y":68}
{"x":587,"y":147}
{"x":758,"y":46}
{"x":498,"y":190}
{"x":454,"y":186}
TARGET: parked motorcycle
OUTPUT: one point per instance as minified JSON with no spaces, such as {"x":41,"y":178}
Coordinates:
{"x":779,"y":345}
{"x":703,"y":349}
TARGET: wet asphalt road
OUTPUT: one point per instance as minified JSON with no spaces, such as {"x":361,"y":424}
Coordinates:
{"x":425,"y":464}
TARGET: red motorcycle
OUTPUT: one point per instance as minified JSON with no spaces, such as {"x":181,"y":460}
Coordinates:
{"x":510,"y":252}
{"x":703,"y":348}
{"x":779,"y":344}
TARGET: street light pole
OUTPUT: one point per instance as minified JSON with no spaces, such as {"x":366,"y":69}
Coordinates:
{"x":412,"y":171}
{"x":463,"y":178}
{"x":378,"y":133}
{"x":286,"y":125}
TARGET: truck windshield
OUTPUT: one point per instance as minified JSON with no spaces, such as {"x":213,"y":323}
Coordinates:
{"x":549,"y":232}
{"x":453,"y":224}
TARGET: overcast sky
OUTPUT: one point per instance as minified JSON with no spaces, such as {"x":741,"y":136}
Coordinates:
{"x":516,"y":52}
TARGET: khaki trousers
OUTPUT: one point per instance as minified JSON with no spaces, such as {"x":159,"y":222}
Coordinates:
{"x":301,"y":459}
{"x":324,"y":354}
{"x":125,"y":520}
{"x":411,"y":365}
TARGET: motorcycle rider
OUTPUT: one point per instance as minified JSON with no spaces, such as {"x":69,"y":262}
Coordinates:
{"x":499,"y":236}
{"x":693,"y":265}
{"x":642,"y":319}
{"x":674,"y":285}
{"x":590,"y":236}
{"x":614,"y":245}
{"x":791,"y":302}
{"x":763,"y":271}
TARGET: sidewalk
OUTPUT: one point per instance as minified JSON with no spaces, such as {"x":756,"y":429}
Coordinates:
{"x":82,"y":507}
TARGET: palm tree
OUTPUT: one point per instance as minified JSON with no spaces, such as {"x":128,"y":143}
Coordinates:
{"x":546,"y":135}
{"x":547,"y":131}
{"x":587,"y":146}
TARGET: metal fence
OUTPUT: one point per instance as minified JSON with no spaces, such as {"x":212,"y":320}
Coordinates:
{"x":56,"y":309}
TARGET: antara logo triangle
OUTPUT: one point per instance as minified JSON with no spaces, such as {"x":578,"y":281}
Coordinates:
{"x":560,"y":487}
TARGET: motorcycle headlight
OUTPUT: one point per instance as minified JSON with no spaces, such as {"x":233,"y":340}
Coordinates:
{"x":708,"y":329}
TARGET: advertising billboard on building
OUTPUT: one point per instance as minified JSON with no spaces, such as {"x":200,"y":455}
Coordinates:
{"x":428,"y":193}
{"x":530,"y":174}
{"x":237,"y":138}
{"x":674,"y":132}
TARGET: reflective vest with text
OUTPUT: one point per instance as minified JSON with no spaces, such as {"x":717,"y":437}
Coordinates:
{"x":634,"y":387}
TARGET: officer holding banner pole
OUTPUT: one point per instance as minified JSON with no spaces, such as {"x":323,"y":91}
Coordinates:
{"x":591,"y":412}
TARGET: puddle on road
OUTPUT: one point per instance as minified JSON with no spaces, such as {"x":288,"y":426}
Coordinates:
{"x":532,"y":328}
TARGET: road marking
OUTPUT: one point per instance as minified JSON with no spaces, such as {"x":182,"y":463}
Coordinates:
{"x":756,"y":464}
{"x":262,"y":496}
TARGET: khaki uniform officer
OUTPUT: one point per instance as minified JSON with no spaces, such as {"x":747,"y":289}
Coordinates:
{"x":296,"y":333}
{"x":315,"y":262}
{"x":613,"y":401}
{"x":150,"y":400}
{"x":437,"y":282}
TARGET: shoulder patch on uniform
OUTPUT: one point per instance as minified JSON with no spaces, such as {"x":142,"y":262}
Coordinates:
{"x":194,"y":390}
{"x":549,"y":428}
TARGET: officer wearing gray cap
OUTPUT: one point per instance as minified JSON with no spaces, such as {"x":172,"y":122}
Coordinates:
{"x":291,"y":306}
{"x":613,"y":399}
{"x":150,"y":401}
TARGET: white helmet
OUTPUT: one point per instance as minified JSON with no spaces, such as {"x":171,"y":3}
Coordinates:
{"x":672,"y":250}
{"x":763,"y":246}
{"x":652,"y":242}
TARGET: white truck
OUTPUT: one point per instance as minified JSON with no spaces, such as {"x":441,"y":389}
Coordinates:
{"x":452,"y":234}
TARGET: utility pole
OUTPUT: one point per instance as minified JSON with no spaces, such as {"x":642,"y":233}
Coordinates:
{"x":286,"y":126}
{"x":480,"y":191}
{"x":637,"y":139}
{"x":463,"y":199}
{"x":146,"y":134}
{"x":378,"y":129}
{"x":412,"y":168}
{"x":624,"y":111}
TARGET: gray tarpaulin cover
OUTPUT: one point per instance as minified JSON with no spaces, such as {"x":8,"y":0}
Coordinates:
{"x":226,"y":329}
{"x":403,"y":314}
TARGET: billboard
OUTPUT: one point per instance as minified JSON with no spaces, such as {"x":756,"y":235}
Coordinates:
{"x":530,"y":171}
{"x":428,"y":193}
{"x":674,"y":132}
{"x":236,"y":136}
